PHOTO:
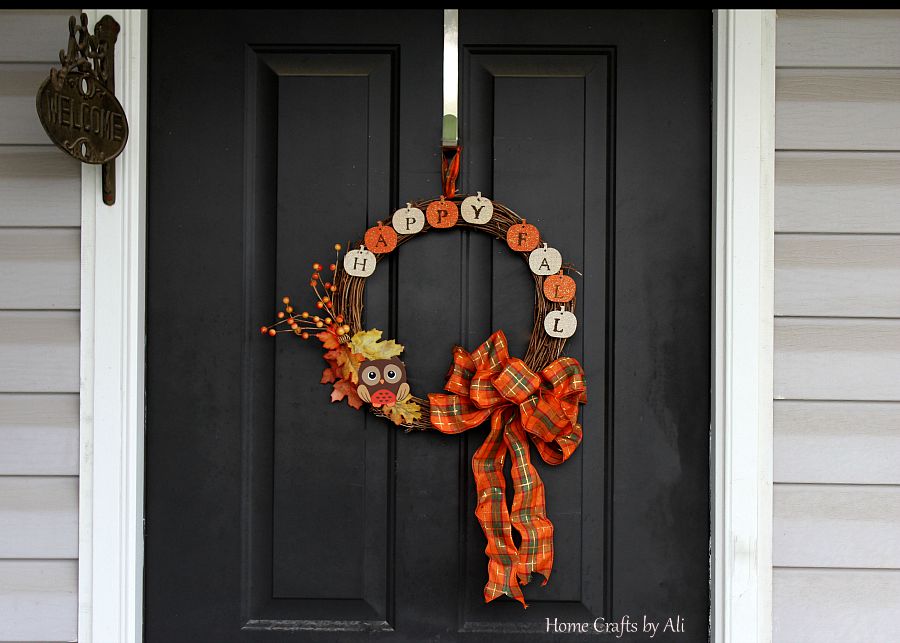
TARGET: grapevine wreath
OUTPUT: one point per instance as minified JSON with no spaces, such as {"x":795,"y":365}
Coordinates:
{"x":536,"y":397}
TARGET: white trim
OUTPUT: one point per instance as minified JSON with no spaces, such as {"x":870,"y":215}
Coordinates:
{"x":743,"y":325}
{"x":111,"y":496}
{"x":112,"y":365}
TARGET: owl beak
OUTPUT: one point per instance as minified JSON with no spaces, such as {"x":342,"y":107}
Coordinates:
{"x":382,"y":380}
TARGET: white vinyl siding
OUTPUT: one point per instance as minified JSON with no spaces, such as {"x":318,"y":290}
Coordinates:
{"x":836,"y":549}
{"x":829,"y":192}
{"x":40,"y":217}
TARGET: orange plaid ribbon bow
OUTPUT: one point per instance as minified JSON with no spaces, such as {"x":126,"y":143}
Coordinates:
{"x":490,"y":383}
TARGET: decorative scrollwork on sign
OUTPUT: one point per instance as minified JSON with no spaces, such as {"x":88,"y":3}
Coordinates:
{"x":86,"y":53}
{"x":76,"y":104}
{"x":80,"y":148}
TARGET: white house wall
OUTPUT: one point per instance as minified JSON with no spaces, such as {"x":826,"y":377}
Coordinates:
{"x":836,"y":549}
{"x":40,"y":215}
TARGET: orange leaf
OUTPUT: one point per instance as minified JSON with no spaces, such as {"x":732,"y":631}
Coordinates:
{"x":328,"y":340}
{"x":338,"y":394}
{"x":345,"y":363}
{"x":328,"y":376}
{"x":342,"y":389}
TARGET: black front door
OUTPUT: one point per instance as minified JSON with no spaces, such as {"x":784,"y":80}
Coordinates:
{"x":272,"y":515}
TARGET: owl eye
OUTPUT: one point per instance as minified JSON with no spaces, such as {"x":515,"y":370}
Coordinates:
{"x":371,"y":374}
{"x":392,"y":374}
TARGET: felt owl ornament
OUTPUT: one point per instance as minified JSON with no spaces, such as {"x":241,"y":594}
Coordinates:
{"x":382,"y":382}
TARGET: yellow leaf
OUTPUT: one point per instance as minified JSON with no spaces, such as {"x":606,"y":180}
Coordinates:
{"x":350,"y":366}
{"x":368,"y":344}
{"x":403,"y":412}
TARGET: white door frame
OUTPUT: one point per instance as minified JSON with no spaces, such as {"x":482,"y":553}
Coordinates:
{"x":743,"y":325}
{"x":110,"y":579}
{"x":111,"y":494}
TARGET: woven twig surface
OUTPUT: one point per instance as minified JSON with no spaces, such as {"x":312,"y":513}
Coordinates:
{"x":542,"y":349}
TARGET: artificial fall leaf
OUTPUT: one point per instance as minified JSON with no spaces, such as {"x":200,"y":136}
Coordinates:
{"x":368,"y":344}
{"x":328,"y":375}
{"x":329,"y":340}
{"x":345,"y":363}
{"x":403,"y":412}
{"x":335,"y":372}
{"x":342,"y":389}
{"x":351,"y":366}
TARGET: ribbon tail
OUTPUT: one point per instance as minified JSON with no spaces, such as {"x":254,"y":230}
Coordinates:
{"x":487,"y":465}
{"x":529,"y":513}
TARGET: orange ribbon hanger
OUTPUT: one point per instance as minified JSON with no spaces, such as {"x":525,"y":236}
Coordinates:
{"x":449,"y":169}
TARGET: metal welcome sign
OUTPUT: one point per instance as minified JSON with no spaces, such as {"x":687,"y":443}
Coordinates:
{"x":77,"y":105}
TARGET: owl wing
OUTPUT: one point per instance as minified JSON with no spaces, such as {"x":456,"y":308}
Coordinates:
{"x":363,"y":392}
{"x":403,"y":392}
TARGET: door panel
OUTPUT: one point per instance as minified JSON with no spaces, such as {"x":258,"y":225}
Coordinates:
{"x":349,"y":98}
{"x":273,"y":515}
{"x":535,"y":129}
